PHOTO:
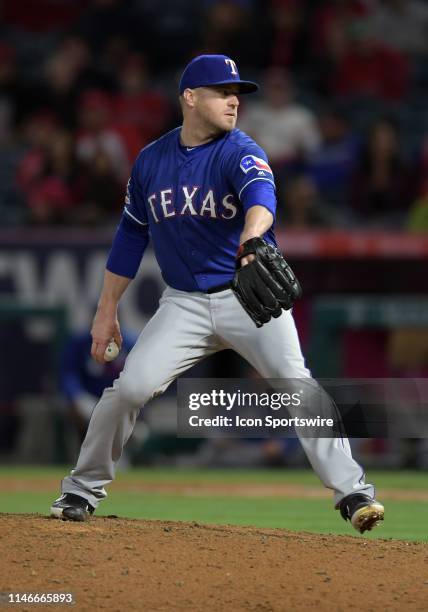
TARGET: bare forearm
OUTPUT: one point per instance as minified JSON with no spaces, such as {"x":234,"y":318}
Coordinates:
{"x":257,"y":221}
{"x":113,"y":288}
{"x":105,"y":325}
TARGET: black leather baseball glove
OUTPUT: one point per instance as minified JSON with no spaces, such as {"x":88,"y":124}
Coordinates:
{"x":266,"y":285}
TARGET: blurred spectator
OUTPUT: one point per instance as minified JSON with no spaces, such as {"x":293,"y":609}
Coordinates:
{"x":59,"y":80}
{"x":48,"y":174}
{"x":332,"y":165}
{"x":68,"y":72}
{"x":97,"y":133}
{"x":233,"y":28}
{"x":9,"y":90}
{"x":417,"y":220}
{"x":92,"y":76}
{"x":61,"y":189}
{"x":38,"y":132}
{"x":106,"y":19}
{"x":112,"y":59}
{"x":46,"y":16}
{"x":12,"y":206}
{"x":365,"y":67}
{"x":63,"y":71}
{"x":12,"y":210}
{"x":142,"y":112}
{"x":422,"y":163}
{"x":103,"y":193}
{"x":383,"y":185}
{"x":401,"y":24}
{"x":82,"y":380}
{"x":303,"y":206}
{"x":49,"y":202}
{"x":173,"y":33}
{"x":285,"y":129}
{"x":290,"y":22}
{"x":333,"y":18}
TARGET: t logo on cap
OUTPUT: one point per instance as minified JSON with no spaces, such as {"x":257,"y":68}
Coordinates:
{"x":232,"y":65}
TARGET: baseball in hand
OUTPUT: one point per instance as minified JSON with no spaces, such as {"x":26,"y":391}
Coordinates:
{"x":112,"y":351}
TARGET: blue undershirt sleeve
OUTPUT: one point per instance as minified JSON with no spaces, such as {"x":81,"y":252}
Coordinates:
{"x":259,"y":193}
{"x":128,"y":247}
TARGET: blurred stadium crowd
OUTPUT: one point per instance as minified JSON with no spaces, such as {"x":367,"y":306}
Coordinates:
{"x":342,"y":115}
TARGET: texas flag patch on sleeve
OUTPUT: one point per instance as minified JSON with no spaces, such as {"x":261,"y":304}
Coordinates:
{"x":251,"y":162}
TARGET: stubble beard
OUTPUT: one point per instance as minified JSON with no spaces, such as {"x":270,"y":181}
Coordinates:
{"x":216,"y":126}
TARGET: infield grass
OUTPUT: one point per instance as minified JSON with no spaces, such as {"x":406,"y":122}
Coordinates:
{"x":405,"y":519}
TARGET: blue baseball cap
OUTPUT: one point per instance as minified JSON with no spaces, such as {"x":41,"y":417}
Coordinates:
{"x":207,"y":70}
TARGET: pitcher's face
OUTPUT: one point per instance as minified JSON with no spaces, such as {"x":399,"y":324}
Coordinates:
{"x":217,"y":106}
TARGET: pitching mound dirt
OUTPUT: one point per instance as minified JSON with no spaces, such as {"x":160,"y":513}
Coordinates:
{"x":119,"y":564}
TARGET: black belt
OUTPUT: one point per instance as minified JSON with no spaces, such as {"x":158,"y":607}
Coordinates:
{"x":218,"y":288}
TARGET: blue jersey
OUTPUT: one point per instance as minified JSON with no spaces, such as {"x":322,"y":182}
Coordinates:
{"x":192,"y":202}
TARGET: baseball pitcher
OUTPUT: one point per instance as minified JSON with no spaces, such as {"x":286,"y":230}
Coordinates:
{"x":204,"y":194}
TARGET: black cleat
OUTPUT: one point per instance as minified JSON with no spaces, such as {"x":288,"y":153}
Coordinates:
{"x":363,"y":511}
{"x":71,"y":507}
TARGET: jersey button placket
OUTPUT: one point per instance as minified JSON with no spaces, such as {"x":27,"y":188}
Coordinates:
{"x":183,"y":180}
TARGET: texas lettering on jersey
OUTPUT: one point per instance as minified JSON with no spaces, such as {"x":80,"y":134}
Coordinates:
{"x":191,"y":202}
{"x":164,"y":205}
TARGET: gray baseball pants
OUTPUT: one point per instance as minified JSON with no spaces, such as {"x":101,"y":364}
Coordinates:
{"x":186,"y":328}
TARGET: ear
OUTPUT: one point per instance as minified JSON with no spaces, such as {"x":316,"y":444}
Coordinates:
{"x":189,"y":97}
